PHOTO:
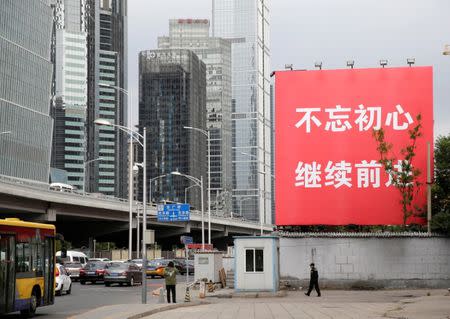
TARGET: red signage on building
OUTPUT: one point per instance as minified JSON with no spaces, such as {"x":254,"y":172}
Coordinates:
{"x":327,"y":169}
{"x":200,"y":246}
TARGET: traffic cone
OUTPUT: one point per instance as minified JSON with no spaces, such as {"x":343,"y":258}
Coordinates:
{"x":187,"y":295}
{"x":161,"y":296}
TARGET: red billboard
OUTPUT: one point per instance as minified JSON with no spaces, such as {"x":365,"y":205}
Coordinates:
{"x":327,"y":169}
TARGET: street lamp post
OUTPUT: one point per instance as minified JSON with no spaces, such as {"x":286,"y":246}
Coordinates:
{"x":198,"y":182}
{"x":151,"y":182}
{"x":261,"y":214}
{"x":185,"y":192}
{"x":206,"y":133}
{"x":136,"y":136}
{"x":130,"y":172}
{"x":240,"y":203}
{"x":84,"y":171}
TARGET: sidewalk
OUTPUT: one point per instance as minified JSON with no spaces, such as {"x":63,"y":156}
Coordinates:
{"x":335,"y":304}
{"x":134,"y":311}
{"x":401,"y":304}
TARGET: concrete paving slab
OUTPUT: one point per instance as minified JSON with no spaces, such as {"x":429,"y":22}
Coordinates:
{"x":411,"y":304}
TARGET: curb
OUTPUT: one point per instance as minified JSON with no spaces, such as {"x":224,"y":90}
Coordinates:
{"x":167,"y":308}
{"x":278,"y":294}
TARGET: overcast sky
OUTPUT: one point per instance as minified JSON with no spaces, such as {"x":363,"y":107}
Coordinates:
{"x":331,"y":31}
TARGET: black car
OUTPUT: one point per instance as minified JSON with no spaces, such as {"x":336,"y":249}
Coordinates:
{"x":123,"y":273}
{"x":180,"y":264}
{"x":93,"y":272}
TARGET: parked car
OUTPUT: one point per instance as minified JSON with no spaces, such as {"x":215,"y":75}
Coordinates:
{"x":93,"y":272}
{"x":191,"y":266}
{"x":73,"y":256}
{"x":63,"y":283}
{"x":99,"y":259}
{"x":73,"y":269}
{"x":155,"y":268}
{"x":122,"y":273}
{"x":180,"y":265}
{"x":138,"y":262}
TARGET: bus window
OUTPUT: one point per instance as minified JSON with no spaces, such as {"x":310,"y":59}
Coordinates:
{"x":23,"y":257}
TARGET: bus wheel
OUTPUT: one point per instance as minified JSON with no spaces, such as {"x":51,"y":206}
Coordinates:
{"x":30,"y":312}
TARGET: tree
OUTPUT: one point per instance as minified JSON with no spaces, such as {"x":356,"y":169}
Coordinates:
{"x":441,"y":189}
{"x":405,"y":179}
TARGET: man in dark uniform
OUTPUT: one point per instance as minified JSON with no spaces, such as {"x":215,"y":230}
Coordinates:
{"x":314,"y":281}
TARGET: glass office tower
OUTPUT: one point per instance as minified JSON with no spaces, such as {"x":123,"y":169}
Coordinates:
{"x":25,"y":89}
{"x":70,"y":98}
{"x":246,"y":24}
{"x":193,"y":34}
{"x":107,"y":71}
{"x":172,"y":87}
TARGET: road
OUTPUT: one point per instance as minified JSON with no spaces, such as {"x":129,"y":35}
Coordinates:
{"x":87,"y":297}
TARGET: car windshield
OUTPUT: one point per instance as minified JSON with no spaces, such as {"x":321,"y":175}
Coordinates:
{"x":162,"y":262}
{"x":118,"y":266}
{"x":95,"y":265}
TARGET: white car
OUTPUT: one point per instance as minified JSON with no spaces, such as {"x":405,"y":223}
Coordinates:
{"x":63,"y":283}
{"x":99,"y":259}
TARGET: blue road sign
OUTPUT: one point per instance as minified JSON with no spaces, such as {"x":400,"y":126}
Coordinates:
{"x":174,"y":213}
{"x":186,"y":240}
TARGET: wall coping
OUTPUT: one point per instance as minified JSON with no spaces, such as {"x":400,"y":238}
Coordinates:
{"x":285,"y":234}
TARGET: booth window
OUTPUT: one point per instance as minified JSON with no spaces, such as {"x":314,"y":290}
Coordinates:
{"x":254,"y":260}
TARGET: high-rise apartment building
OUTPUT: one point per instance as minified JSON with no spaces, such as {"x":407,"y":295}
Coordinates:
{"x":193,"y":34}
{"x":70,"y":90}
{"x":172,"y":86}
{"x":246,"y":24}
{"x":25,"y":89}
{"x":107,"y":80}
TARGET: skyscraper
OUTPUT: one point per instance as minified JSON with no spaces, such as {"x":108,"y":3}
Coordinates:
{"x":70,"y":90}
{"x":25,"y":89}
{"x":107,"y":78}
{"x":193,"y":34}
{"x":246,"y":24}
{"x":172,"y":85}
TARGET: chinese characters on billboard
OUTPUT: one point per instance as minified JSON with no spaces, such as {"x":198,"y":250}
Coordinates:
{"x":327,"y":169}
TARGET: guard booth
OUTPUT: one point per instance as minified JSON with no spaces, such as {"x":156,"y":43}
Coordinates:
{"x":207,"y":265}
{"x":257,"y":263}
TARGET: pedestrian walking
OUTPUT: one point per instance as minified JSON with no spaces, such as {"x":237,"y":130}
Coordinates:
{"x":170,"y":276}
{"x":313,"y":281}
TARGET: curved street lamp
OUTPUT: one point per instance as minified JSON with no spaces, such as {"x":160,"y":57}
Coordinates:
{"x":264,"y":173}
{"x":137,"y":137}
{"x":84,"y":171}
{"x":198,"y":182}
{"x":207,"y":134}
{"x":185,"y":192}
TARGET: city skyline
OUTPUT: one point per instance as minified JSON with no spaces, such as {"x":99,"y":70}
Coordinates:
{"x":325,"y":31}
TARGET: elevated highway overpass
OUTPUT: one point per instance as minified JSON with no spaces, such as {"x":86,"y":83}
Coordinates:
{"x":79,"y":216}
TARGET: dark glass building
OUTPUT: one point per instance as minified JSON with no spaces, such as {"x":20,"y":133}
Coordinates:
{"x":172,"y":86}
